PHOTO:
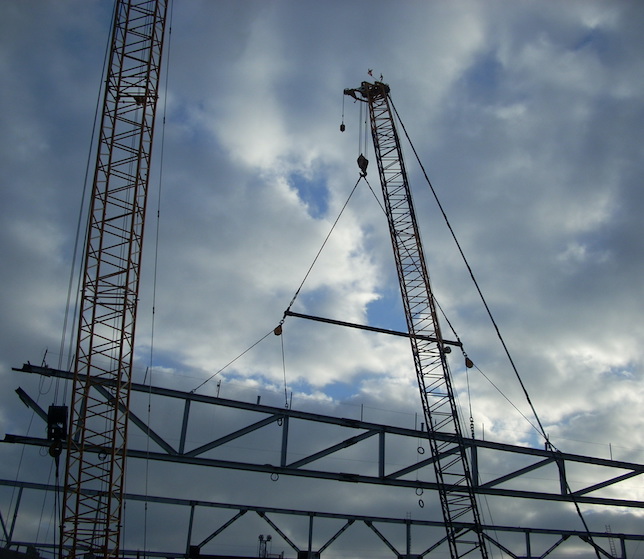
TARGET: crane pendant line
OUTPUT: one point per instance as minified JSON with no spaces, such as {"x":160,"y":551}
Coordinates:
{"x":453,"y":475}
{"x":92,"y":508}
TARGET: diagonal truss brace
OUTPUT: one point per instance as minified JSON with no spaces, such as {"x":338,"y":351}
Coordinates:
{"x":613,"y":472}
{"x":492,"y":533}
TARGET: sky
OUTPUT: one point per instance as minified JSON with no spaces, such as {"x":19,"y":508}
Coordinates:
{"x":528,"y":119}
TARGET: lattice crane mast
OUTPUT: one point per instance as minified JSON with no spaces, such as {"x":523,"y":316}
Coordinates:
{"x":95,"y":466}
{"x":453,"y":475}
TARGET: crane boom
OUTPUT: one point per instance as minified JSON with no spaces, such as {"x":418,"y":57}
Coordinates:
{"x":92,"y":509}
{"x":453,"y":475}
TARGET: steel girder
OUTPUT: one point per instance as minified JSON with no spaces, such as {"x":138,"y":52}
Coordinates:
{"x":275,"y":517}
{"x":376,"y":443}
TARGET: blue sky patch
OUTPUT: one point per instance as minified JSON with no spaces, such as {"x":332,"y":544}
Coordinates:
{"x":387,"y":312}
{"x":313,"y":192}
{"x":483,"y":78}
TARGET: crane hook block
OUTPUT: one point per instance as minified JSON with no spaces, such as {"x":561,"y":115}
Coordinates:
{"x":363,"y":162}
{"x":342,"y":127}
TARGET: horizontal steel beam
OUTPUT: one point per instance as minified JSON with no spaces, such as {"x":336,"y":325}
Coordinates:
{"x":305,"y":466}
{"x":370,"y":328}
{"x":321,"y":514}
{"x":342,"y":476}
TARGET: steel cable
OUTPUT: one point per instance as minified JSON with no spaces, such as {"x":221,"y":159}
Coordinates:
{"x":474,"y":280}
{"x":540,"y":429}
{"x":297,"y":292}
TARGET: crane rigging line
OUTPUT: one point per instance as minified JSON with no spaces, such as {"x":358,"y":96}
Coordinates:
{"x":279,"y":331}
{"x":155,"y":266}
{"x":541,"y":429}
{"x":272,"y":331}
{"x":155,"y":274}
{"x":81,"y":212}
{"x":297,"y":292}
{"x":287,"y":312}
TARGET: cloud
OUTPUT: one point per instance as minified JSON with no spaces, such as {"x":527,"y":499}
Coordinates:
{"x":526,"y":118}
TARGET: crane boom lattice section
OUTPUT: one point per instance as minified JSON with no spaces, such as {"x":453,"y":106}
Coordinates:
{"x":451,"y":466}
{"x":94,"y":486}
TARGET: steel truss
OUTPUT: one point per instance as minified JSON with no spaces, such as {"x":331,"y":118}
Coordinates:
{"x":408,"y":528}
{"x":91,"y":521}
{"x":517,"y":481}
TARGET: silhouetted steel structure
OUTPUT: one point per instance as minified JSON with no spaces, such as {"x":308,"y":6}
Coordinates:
{"x":601,"y":482}
{"x":102,"y":383}
{"x":91,"y":520}
{"x":451,"y":466}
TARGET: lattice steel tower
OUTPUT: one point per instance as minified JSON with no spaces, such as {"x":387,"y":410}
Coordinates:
{"x":453,"y":475}
{"x":94,"y":483}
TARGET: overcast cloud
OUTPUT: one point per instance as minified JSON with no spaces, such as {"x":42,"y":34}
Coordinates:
{"x":528,"y":118}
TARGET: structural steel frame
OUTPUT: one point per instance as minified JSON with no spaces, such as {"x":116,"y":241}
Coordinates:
{"x":353,"y":433}
{"x":304,"y":542}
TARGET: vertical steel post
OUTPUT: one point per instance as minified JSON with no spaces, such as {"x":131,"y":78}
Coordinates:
{"x":190,"y":524}
{"x":284,"y":451}
{"x":310,"y":543}
{"x":184,"y":427}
